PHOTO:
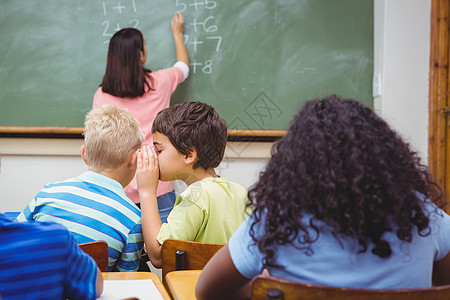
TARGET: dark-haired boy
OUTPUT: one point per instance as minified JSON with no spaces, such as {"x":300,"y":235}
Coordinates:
{"x":189,"y":142}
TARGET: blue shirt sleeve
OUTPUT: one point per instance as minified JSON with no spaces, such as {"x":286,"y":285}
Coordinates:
{"x":27,"y":213}
{"x":244,"y":253}
{"x":440,"y":229}
{"x":81,"y":275}
{"x":129,"y":259}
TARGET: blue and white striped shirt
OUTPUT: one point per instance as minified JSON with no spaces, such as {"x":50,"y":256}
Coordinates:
{"x":42,"y":260}
{"x":93,"y":207}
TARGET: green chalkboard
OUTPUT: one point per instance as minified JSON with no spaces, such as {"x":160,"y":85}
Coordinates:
{"x":256,"y":62}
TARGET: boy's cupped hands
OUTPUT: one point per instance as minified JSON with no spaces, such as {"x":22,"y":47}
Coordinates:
{"x":147,"y":173}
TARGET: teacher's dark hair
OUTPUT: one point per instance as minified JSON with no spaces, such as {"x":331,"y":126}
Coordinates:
{"x":341,"y":164}
{"x":125,"y":75}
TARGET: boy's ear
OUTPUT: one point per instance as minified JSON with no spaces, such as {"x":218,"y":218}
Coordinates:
{"x":191,"y":157}
{"x":132,"y":159}
{"x":83,"y":154}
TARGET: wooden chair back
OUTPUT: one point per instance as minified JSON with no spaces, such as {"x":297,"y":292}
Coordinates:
{"x":268,"y":287}
{"x":195,"y":256}
{"x":98,"y":250}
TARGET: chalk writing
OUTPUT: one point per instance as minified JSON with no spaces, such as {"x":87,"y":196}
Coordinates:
{"x":203,"y":33}
{"x":110,"y":11}
{"x":182,"y":6}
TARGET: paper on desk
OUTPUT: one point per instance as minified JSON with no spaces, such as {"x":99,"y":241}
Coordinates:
{"x":143,"y":289}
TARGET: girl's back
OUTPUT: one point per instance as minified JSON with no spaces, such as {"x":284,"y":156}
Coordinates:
{"x":336,"y":262}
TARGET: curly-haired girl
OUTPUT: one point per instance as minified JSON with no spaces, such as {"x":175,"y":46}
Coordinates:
{"x":344,"y":202}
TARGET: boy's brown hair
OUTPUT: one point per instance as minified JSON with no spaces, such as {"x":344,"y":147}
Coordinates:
{"x":110,"y":134}
{"x":194,"y":126}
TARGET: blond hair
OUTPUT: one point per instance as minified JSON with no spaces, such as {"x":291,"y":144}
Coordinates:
{"x":110,"y":134}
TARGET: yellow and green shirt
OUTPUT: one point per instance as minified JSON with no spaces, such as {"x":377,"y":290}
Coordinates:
{"x":208,"y":211}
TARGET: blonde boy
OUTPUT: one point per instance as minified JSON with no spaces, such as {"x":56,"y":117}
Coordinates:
{"x":93,"y":206}
{"x":189,"y":142}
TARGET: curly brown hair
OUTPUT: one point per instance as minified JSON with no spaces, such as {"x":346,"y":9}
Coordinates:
{"x":343,"y":165}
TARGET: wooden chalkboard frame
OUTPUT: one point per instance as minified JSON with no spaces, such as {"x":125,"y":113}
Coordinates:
{"x":76,"y":133}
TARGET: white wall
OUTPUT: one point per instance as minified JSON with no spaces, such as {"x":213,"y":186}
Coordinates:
{"x":402,"y":55}
{"x":22,"y":177}
{"x":401,"y":58}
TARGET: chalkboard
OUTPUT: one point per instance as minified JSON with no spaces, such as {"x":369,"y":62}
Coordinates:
{"x":256,"y":62}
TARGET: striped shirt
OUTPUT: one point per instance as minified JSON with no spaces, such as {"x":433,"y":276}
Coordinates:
{"x":93,"y":207}
{"x":43,"y":261}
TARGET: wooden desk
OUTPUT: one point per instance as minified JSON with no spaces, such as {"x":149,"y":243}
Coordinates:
{"x":135,"y":276}
{"x":182,"y":284}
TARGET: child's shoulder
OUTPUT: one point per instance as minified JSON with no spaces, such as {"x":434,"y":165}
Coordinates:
{"x":61,"y":183}
{"x":212,"y":186}
{"x":68,"y":182}
{"x":170,"y":72}
{"x":49,"y":229}
{"x":214,"y":182}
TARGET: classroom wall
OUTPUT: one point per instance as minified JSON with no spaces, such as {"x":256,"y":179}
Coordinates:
{"x":401,"y":59}
{"x":402,"y":50}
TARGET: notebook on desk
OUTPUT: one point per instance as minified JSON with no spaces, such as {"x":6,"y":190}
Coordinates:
{"x":142,"y":289}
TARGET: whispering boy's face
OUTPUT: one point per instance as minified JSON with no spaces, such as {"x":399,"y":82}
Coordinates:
{"x":171,"y":162}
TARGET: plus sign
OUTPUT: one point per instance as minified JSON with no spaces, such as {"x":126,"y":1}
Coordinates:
{"x":195,"y":64}
{"x":195,"y":43}
{"x":195,"y":23}
{"x":196,"y":4}
{"x":119,"y":7}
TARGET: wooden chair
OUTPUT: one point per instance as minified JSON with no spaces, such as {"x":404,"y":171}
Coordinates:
{"x":98,"y":250}
{"x":269,"y":287}
{"x":185,"y":255}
